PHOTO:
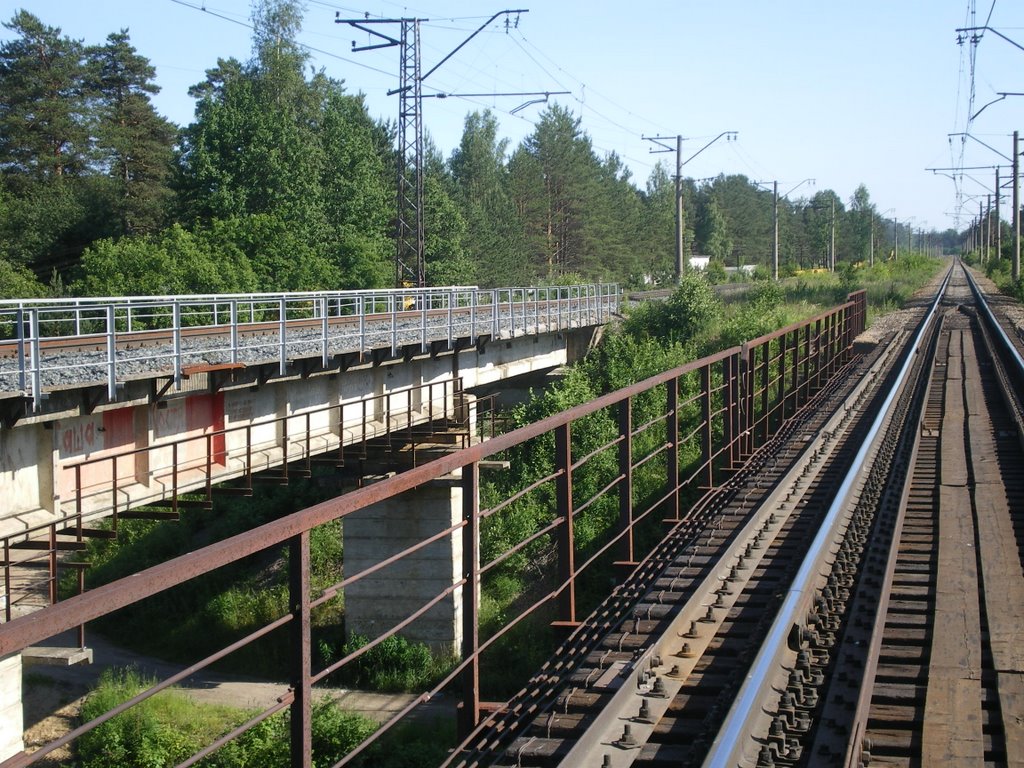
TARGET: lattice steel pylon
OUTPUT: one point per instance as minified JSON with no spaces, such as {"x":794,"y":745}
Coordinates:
{"x":410,"y":264}
{"x":410,"y":261}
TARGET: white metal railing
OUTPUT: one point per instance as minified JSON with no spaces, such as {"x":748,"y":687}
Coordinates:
{"x":148,"y":335}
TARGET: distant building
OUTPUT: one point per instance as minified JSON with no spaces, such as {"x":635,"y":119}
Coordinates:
{"x":699,"y":262}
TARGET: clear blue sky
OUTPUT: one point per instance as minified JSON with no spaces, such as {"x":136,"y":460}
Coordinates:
{"x":842,"y":92}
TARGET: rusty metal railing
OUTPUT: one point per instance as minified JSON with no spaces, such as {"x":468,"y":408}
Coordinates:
{"x":679,"y":432}
{"x":160,"y":473}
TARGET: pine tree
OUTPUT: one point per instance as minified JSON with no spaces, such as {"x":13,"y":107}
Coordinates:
{"x":134,"y":142}
{"x":479,"y":172}
{"x":300,"y":155}
{"x":43,"y":130}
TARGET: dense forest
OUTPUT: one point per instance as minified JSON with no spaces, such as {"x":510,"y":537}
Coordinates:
{"x":283,"y":181}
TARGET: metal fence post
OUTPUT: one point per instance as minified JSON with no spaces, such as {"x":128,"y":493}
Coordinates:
{"x":730,"y":370}
{"x":300,"y":652}
{"x":672,"y":439}
{"x":451,"y":319}
{"x":766,"y":374}
{"x":474,"y":299}
{"x":566,"y":539}
{"x":233,"y":309}
{"x":176,"y":337}
{"x":781,"y":393}
{"x":19,"y":323}
{"x":324,"y":327}
{"x":625,"y":415}
{"x":805,"y":383}
{"x":282,"y":326}
{"x":705,"y":427}
{"x":794,"y":377}
{"x":746,"y":396}
{"x":469,"y":715}
{"x":111,"y":356}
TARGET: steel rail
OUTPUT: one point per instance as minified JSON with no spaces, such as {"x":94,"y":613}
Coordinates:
{"x":733,"y":736}
{"x":994,"y":323}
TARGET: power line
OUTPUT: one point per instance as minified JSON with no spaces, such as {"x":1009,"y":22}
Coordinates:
{"x":204,"y":9}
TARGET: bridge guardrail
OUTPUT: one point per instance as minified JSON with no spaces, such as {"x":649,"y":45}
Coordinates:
{"x":137,"y":336}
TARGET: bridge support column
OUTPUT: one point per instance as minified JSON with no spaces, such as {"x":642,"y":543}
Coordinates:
{"x":11,"y":723}
{"x":387,"y":597}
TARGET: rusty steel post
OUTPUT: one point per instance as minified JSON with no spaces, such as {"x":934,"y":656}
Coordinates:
{"x":826,"y":349}
{"x":566,"y":539}
{"x":174,"y":481}
{"x":794,"y":375}
{"x":625,"y":417}
{"x":779,"y":408}
{"x":705,"y":427}
{"x":747,"y":363}
{"x":731,"y":408}
{"x":766,"y":373}
{"x":469,"y":714}
{"x":817,"y":355}
{"x":300,"y":652}
{"x":52,"y":560}
{"x":672,"y":439}
{"x":805,"y":384}
{"x":7,"y":579}
{"x":80,"y":630}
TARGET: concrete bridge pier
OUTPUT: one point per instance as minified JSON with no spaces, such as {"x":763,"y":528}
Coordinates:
{"x":11,"y":721}
{"x":386,"y":597}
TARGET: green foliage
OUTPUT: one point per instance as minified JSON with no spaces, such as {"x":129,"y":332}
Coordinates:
{"x":16,"y":282}
{"x":41,"y":100}
{"x":174,"y":262}
{"x":287,"y":176}
{"x":136,"y":143}
{"x":712,"y":230}
{"x":687,"y":314}
{"x":170,"y":726}
{"x":83,"y":155}
{"x":161,"y":731}
{"x":295,"y":162}
{"x":715,"y":272}
{"x":480,"y":178}
{"x":394,"y":665}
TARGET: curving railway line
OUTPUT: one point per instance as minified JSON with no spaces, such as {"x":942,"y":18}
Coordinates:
{"x":853,"y":596}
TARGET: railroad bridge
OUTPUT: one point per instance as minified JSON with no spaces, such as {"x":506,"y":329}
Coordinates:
{"x":140,"y":407}
{"x":793,"y":526}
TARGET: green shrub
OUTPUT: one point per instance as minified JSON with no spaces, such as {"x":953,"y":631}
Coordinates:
{"x":394,"y":665}
{"x":170,"y":726}
{"x":161,"y":731}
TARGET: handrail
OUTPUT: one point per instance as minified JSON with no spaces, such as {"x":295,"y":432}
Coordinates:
{"x":717,"y":443}
{"x":239,"y":329}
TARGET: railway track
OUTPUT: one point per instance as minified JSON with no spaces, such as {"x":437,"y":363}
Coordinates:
{"x":806,"y":614}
